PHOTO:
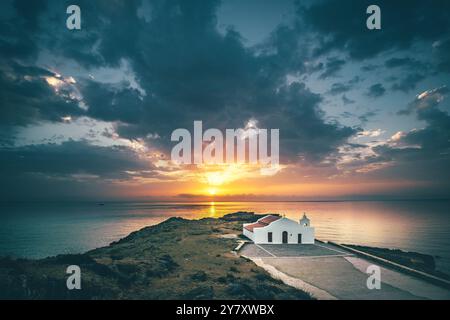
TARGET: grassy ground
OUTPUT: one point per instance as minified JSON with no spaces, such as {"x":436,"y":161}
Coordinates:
{"x":177,"y":259}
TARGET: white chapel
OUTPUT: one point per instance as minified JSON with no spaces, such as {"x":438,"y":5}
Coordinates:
{"x":274,"y":229}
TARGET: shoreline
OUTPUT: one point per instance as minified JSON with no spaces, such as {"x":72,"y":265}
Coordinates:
{"x":24,"y":234}
{"x":239,"y":244}
{"x":176,"y":259}
{"x":198,"y":257}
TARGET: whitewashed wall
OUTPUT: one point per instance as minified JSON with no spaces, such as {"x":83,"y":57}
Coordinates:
{"x":247,"y":233}
{"x":277,"y":227}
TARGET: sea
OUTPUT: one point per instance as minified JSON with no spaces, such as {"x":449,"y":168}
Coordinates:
{"x":38,"y":230}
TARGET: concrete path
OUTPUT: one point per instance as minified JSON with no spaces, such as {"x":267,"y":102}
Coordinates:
{"x":405,"y":282}
{"x":328,"y":273}
{"x":291,"y":250}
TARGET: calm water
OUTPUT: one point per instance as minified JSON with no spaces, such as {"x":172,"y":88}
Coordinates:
{"x":40,"y":230}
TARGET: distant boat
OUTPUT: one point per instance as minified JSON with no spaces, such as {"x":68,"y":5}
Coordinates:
{"x":101,"y":204}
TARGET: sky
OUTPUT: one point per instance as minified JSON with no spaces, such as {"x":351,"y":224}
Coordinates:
{"x":88,"y":114}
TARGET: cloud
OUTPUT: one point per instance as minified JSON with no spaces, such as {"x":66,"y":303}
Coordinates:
{"x":370,"y":67}
{"x":409,"y":82}
{"x":405,"y":62}
{"x":441,"y":50}
{"x":112,"y":102}
{"x":347,"y":100}
{"x":337,"y":88}
{"x":27,"y":96}
{"x":71,"y":158}
{"x":376,"y":90}
{"x":400,"y":29}
{"x":429,"y":99}
{"x":332,"y":67}
{"x":224,"y":86}
{"x":371,"y":133}
{"x":343,"y":87}
{"x":420,"y":154}
{"x":71,"y":170}
{"x":184,"y":70}
{"x":418,"y":157}
{"x":367,"y":115}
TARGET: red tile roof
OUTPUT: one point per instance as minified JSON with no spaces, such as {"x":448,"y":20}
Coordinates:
{"x":252,"y":226}
{"x":269,"y":219}
{"x":262,"y":222}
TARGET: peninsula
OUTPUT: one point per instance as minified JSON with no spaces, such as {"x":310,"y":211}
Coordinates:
{"x":176,"y":259}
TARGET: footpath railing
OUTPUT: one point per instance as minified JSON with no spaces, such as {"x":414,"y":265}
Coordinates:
{"x":399,"y":267}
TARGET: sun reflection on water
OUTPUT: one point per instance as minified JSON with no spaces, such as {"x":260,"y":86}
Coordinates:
{"x":212,"y":209}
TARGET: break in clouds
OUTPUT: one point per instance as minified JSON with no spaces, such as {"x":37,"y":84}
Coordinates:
{"x":81,"y":107}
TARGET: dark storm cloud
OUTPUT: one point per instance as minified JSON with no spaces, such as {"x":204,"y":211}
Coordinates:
{"x":302,"y":129}
{"x":442,"y":52}
{"x":111,"y":102}
{"x":416,"y":72}
{"x":224,"y":85}
{"x":376,"y":90}
{"x":424,"y":153}
{"x":71,"y":170}
{"x":342,"y":87}
{"x":26,"y":97}
{"x":332,"y":67}
{"x":186,"y":68}
{"x":188,"y":71}
{"x":369,"y":67}
{"x":427,"y":100}
{"x":405,"y":62}
{"x":18,"y":26}
{"x":69,"y":158}
{"x":403,"y":23}
{"x":337,"y":88}
{"x":408,"y":83}
{"x":29,"y":27}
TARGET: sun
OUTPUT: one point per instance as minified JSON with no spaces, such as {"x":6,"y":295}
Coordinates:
{"x":212,"y":191}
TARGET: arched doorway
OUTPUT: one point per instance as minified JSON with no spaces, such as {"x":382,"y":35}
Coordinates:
{"x":285,"y":237}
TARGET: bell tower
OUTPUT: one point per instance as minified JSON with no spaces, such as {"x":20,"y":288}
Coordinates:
{"x":304,"y":221}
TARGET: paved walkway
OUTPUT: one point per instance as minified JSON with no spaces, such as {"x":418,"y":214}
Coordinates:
{"x":291,"y":250}
{"x":328,"y":272}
